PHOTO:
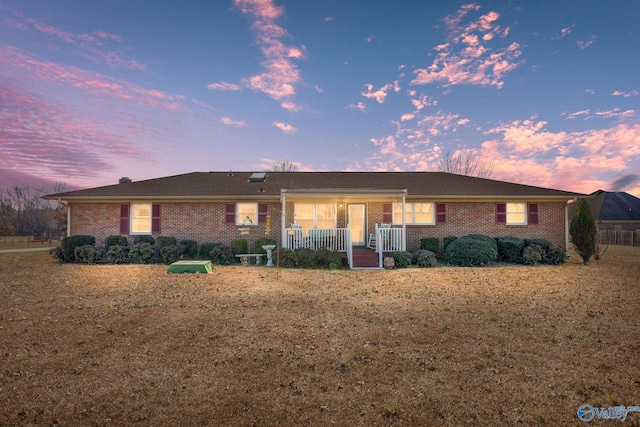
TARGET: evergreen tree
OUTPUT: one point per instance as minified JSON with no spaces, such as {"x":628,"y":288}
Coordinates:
{"x":583,"y":232}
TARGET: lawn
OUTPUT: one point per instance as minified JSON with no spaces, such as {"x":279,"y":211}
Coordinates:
{"x":133,"y":345}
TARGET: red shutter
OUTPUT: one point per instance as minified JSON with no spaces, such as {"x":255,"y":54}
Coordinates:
{"x":532,"y":213}
{"x":441,"y":213}
{"x":155,"y":218}
{"x":124,"y":219}
{"x":230,"y":213}
{"x":501,"y":213}
{"x":387,"y":212}
{"x":262,"y":213}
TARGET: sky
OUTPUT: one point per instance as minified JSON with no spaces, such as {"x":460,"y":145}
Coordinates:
{"x":545,"y":92}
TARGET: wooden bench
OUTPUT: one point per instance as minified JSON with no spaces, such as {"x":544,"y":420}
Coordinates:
{"x":245,"y":258}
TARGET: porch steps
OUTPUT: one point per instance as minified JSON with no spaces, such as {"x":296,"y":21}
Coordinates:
{"x":365,"y":258}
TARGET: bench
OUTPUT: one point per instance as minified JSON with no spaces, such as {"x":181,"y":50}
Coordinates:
{"x":245,"y":258}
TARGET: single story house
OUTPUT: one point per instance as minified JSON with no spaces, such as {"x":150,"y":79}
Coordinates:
{"x":382,"y":211}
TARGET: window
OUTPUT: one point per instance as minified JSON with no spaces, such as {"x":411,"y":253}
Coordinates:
{"x":415,"y":213}
{"x":246,"y":214}
{"x":140,"y":218}
{"x":517,"y":213}
{"x":309,"y":215}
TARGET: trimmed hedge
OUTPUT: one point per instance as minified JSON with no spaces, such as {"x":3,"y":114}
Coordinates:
{"x":143,"y":252}
{"x":510,"y":249}
{"x":116,"y":240}
{"x":447,"y":241}
{"x":471,"y":251}
{"x":163,"y":241}
{"x":533,"y":254}
{"x":430,"y":244}
{"x":170,"y":253}
{"x":144,"y":239}
{"x":221,"y":255}
{"x":190,"y":248}
{"x":69,"y":244}
{"x":239,"y":246}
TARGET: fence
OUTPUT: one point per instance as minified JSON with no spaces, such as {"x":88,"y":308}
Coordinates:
{"x":619,"y":237}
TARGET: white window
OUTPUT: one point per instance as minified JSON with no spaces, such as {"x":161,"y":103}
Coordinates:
{"x":141,"y":218}
{"x":246,"y":214}
{"x":321,"y":215}
{"x":516,"y":213}
{"x":415,"y":213}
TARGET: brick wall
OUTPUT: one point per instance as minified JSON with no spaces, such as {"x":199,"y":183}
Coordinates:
{"x":199,"y":221}
{"x":205,"y":222}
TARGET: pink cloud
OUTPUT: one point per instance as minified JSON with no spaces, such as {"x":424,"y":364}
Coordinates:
{"x":467,"y":58}
{"x":280,"y":75}
{"x":380,"y":94}
{"x":231,"y":122}
{"x":626,"y":94}
{"x":284,"y":127}
{"x":582,"y":44}
{"x":223,"y":86}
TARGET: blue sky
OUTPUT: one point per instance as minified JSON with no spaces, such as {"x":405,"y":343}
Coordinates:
{"x":547,"y":91}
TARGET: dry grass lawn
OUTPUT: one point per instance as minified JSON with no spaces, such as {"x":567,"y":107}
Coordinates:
{"x":133,"y":345}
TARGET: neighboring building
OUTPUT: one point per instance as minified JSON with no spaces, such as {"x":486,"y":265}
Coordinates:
{"x":338,"y":210}
{"x":617,"y":216}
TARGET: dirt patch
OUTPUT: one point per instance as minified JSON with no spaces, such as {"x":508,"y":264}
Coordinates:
{"x":133,"y":345}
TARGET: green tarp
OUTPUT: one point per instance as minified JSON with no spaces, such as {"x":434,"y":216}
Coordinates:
{"x":191,"y":267}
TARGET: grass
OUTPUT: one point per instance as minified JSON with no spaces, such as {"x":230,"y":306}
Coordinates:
{"x":133,"y":345}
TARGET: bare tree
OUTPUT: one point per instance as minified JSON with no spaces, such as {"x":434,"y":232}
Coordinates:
{"x":284,"y":166}
{"x":464,"y":162}
{"x":25,"y":213}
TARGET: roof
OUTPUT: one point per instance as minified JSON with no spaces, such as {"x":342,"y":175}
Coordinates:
{"x":614,"y":206}
{"x":200,"y":185}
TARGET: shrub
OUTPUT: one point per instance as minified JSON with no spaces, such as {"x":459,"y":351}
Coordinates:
{"x":485,"y":238}
{"x":117,"y":254}
{"x":116,"y":240}
{"x":447,"y":241}
{"x":69,"y":244}
{"x":402,"y":259}
{"x":221,"y":255}
{"x":205,"y":248}
{"x":424,"y":258}
{"x":305,"y":258}
{"x":583,"y":232}
{"x":544,"y":244}
{"x":144,"y":239}
{"x":239,"y":246}
{"x":190,"y":248}
{"x":88,"y":254}
{"x":143,"y":252}
{"x":430,"y":244}
{"x":471,"y":251}
{"x":163,"y":241}
{"x":555,"y":255}
{"x":510,"y":249}
{"x":286,"y":258}
{"x":56,"y":253}
{"x":326,"y":258}
{"x":171,"y":253}
{"x":263,"y":242}
{"x":532,"y":254}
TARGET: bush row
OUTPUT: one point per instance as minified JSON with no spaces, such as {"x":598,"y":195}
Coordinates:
{"x":146,"y":250}
{"x":481,"y":250}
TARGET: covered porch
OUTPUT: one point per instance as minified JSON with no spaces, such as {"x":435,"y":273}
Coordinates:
{"x":341,"y":220}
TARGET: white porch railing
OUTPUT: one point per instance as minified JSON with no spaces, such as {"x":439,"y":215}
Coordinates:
{"x":389,"y":239}
{"x":334,"y":239}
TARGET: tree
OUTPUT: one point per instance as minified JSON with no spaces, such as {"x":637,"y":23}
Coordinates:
{"x":284,"y":166}
{"x":464,"y":162}
{"x":583,"y":232}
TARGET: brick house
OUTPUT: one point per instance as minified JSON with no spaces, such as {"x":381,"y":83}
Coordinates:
{"x":384,"y":211}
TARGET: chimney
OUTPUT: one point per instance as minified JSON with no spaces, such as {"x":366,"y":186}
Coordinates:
{"x":124,"y":180}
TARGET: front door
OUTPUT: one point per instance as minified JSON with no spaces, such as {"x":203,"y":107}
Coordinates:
{"x":357,"y":224}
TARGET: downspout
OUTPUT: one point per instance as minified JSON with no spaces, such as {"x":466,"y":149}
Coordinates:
{"x":566,"y":226}
{"x":68,"y":219}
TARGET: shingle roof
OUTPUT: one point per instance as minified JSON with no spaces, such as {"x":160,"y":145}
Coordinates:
{"x":614,"y":206}
{"x":238,"y":184}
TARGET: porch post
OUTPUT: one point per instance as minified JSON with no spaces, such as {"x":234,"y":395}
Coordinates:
{"x":283,"y":220}
{"x":68,"y":219}
{"x":404,"y":225}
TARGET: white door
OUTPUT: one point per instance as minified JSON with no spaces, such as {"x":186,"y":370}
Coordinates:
{"x":357,"y":224}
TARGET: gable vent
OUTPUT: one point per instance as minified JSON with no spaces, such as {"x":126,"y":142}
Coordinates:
{"x":258,"y":177}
